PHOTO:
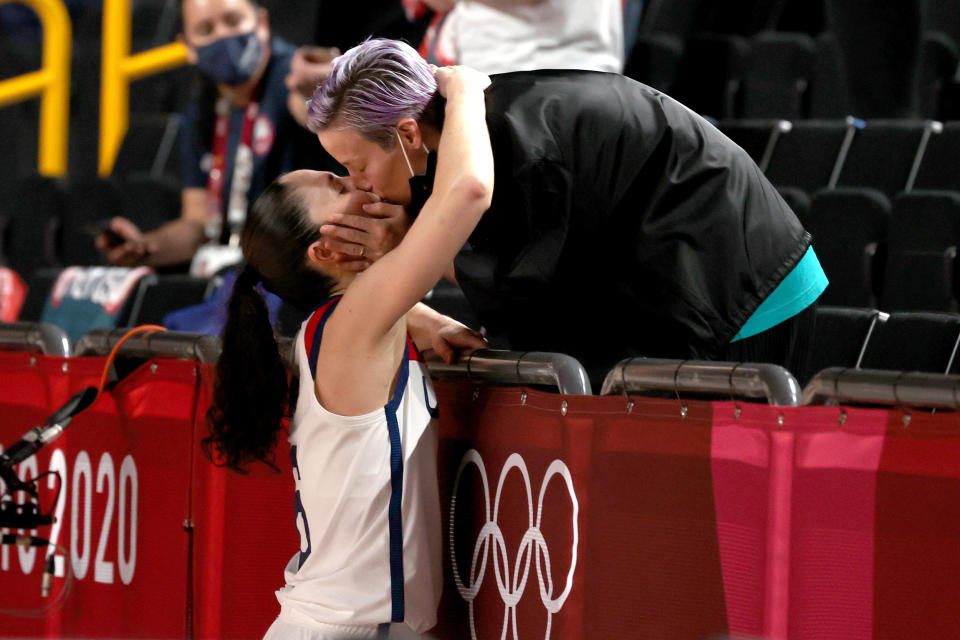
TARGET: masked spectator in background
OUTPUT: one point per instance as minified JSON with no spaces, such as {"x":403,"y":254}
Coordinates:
{"x":237,"y":135}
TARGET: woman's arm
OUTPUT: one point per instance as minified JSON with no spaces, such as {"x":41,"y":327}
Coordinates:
{"x":361,"y":335}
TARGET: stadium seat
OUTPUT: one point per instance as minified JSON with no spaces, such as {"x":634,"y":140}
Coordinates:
{"x":157,"y":295}
{"x":655,"y":61}
{"x":828,"y":86}
{"x":710,"y":74}
{"x":938,"y":64}
{"x":671,"y":17}
{"x":777,"y":72}
{"x":35,"y":214}
{"x":840,"y":336}
{"x":939,"y":167}
{"x":148,"y":201}
{"x":882,"y":154}
{"x":150,"y":146}
{"x":849,"y":228}
{"x":943,"y":16}
{"x":923,"y":237}
{"x":91,"y":202}
{"x":805,"y":157}
{"x":915,"y":342}
{"x":39,"y":284}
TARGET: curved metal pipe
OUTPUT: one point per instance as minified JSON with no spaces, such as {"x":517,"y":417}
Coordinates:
{"x":37,"y":337}
{"x":161,"y":344}
{"x":748,"y":379}
{"x":874,"y":386}
{"x":515,"y":367}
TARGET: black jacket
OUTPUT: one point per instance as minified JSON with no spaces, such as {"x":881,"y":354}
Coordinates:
{"x":622,"y":223}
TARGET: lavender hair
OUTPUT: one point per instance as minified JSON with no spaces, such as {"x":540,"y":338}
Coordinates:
{"x":372,"y":87}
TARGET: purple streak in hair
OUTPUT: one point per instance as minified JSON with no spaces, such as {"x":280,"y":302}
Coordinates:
{"x":372,"y":87}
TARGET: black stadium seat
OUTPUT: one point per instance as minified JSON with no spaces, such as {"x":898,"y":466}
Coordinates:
{"x":938,"y":64}
{"x":915,"y":342}
{"x":158,"y":295}
{"x":882,"y":155}
{"x":923,"y":237}
{"x":91,"y":202}
{"x":39,"y":284}
{"x":148,"y":201}
{"x":710,"y":74}
{"x":35,"y":213}
{"x":777,"y":73}
{"x":655,"y":61}
{"x":849,"y":228}
{"x":150,"y":146}
{"x":841,"y":335}
{"x":805,"y":157}
{"x":939,"y":167}
{"x":828,"y":86}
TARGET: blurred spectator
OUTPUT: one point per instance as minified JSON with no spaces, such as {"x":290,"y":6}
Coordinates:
{"x":880,"y":44}
{"x":498,"y":36}
{"x":238,"y":135}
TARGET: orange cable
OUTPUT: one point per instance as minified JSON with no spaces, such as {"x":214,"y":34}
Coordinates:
{"x":116,"y":348}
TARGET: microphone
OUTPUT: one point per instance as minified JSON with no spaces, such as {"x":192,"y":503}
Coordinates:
{"x":38,"y":437}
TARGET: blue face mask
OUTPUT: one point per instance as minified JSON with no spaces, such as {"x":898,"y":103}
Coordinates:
{"x":231,"y":60}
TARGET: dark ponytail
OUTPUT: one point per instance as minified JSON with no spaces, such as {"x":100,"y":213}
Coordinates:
{"x":251,"y":393}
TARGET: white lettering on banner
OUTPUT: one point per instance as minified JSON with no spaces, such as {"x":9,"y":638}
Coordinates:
{"x":108,"y":287}
{"x":81,"y":470}
{"x":127,"y":563}
{"x":58,"y":463}
{"x":121,"y":497}
{"x":103,"y":569}
{"x":532,"y":543}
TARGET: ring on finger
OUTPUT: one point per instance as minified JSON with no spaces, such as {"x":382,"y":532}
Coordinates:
{"x":363,"y":251}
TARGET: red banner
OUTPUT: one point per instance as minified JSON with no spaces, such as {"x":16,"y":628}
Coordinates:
{"x":564,"y":517}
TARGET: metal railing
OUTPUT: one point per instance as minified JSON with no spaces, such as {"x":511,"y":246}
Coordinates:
{"x":161,"y":344}
{"x":877,"y":387}
{"x":490,"y":366}
{"x":752,"y":380}
{"x":118,"y":70}
{"x":51,"y":82}
{"x":35,"y":337}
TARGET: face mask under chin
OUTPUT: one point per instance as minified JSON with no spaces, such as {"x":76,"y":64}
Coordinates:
{"x":231,"y":60}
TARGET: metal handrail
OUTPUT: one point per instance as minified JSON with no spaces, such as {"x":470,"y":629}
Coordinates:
{"x":52,"y":82}
{"x":889,"y":388}
{"x":748,"y":379}
{"x":515,"y":367}
{"x":35,"y":337}
{"x":161,"y":344}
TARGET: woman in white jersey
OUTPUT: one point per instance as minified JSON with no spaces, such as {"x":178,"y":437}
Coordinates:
{"x":363,"y":440}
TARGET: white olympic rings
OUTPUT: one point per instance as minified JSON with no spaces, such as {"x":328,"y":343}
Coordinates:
{"x":532,"y":541}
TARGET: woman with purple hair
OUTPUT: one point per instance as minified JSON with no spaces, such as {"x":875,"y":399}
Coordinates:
{"x":622,"y":223}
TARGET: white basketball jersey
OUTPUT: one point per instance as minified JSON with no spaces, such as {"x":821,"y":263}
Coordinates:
{"x":367,"y":502}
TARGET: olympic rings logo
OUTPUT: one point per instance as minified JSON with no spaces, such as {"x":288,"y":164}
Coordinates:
{"x":532,"y":544}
